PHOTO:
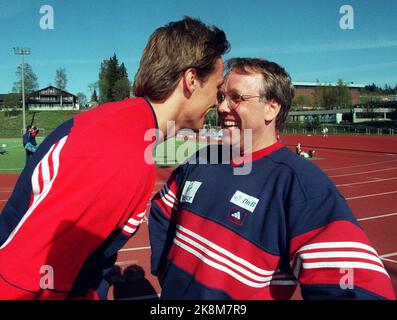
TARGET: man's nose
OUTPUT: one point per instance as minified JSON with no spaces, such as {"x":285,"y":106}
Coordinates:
{"x":223,"y":107}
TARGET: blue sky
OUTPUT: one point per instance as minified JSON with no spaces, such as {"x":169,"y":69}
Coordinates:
{"x":303,"y":36}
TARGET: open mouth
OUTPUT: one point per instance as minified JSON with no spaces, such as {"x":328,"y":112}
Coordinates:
{"x":230,"y":124}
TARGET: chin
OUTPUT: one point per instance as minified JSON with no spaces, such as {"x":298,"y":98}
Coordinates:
{"x":232,"y":138}
{"x":197,"y":126}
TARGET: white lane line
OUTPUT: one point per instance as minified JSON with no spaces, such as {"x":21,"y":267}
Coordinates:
{"x":378,"y":217}
{"x":363,"y":182}
{"x":127,"y":262}
{"x":134,"y":249}
{"x":371,"y":195}
{"x":360,"y":165}
{"x":390,"y":260}
{"x":359,"y":152}
{"x":387,"y":255}
{"x":364,"y":172}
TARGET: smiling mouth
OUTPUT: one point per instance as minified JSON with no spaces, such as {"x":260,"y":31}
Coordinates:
{"x":229,"y":124}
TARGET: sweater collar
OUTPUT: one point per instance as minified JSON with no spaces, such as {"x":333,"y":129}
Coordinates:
{"x":256,"y":155}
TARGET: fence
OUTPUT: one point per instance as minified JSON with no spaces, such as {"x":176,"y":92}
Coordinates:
{"x":303,"y":128}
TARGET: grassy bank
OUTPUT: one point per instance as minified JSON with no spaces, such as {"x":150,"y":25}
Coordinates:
{"x":45,"y":120}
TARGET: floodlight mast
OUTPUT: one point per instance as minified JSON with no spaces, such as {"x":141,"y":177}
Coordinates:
{"x":22,"y":52}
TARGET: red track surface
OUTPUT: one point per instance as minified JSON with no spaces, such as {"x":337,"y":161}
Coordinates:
{"x":362,"y":167}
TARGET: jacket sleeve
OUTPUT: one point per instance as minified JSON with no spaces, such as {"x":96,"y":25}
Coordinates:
{"x":162,"y":218}
{"x":93,"y":277}
{"x":331,"y":255}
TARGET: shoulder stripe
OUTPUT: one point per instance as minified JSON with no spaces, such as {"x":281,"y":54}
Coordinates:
{"x":344,"y":264}
{"x":40,"y":194}
{"x":344,"y":254}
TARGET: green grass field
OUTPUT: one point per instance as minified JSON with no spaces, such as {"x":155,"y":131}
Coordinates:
{"x":170,"y":153}
{"x":14,"y":160}
{"x":45,"y":120}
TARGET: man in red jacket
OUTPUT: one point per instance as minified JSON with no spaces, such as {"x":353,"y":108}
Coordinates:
{"x":76,"y":204}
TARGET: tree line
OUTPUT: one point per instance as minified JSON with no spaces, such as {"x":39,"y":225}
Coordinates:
{"x":386,"y":90}
{"x":338,"y":96}
{"x":326,"y":97}
{"x":113,"y":84}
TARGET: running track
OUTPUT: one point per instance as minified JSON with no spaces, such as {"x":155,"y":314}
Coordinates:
{"x":364,"y":168}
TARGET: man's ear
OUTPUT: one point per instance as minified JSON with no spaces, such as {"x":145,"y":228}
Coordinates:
{"x":272,"y":108}
{"x":190,"y":81}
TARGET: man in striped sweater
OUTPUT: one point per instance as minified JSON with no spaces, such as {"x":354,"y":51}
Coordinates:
{"x":254,"y":221}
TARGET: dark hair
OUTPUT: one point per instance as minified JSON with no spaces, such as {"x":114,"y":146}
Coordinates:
{"x":174,"y":48}
{"x":277,"y":84}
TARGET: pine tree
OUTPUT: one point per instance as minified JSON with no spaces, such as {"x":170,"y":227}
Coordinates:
{"x":94,"y":96}
{"x":113,"y":81}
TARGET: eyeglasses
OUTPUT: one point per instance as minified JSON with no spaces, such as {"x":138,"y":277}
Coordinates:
{"x":233,"y":99}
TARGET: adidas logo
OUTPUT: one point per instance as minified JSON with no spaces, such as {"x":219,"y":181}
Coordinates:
{"x":236,"y":215}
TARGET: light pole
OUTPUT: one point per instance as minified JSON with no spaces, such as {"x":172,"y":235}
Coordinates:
{"x":22,"y":52}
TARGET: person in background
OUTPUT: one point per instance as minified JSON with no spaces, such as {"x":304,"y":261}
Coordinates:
{"x":218,"y":235}
{"x":29,"y":141}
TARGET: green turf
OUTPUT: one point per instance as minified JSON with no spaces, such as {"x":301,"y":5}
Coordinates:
{"x":13,"y":160}
{"x":170,"y":153}
{"x":315,"y":158}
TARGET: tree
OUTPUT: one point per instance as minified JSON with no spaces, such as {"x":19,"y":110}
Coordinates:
{"x":371,"y":88}
{"x":330,"y":96}
{"x":318,"y":96}
{"x":61,"y":79}
{"x":82,"y":99}
{"x":113,"y":81}
{"x":211,"y":118}
{"x":94,"y":96}
{"x":93,"y":87}
{"x":121,"y":89}
{"x":344,"y":98}
{"x":30,"y":80}
{"x":302,"y":101}
{"x":122,"y":71}
{"x":12,"y":101}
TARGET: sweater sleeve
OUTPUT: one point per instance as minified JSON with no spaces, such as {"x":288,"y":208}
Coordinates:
{"x":161,"y":220}
{"x":331,"y":255}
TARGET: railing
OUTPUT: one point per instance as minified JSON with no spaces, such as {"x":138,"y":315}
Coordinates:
{"x":305,"y":128}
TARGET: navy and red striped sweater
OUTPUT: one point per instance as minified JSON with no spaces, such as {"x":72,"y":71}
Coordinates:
{"x":218,"y":235}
